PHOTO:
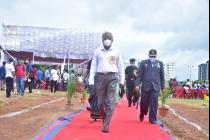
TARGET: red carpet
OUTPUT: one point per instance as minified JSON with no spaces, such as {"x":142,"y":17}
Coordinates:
{"x":124,"y":126}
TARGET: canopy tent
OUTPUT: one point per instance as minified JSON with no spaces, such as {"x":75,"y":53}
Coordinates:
{"x":44,"y":44}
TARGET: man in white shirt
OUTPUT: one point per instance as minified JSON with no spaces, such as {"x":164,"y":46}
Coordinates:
{"x":65,"y":79}
{"x":106,"y":67}
{"x":54,"y":79}
{"x":10,"y":75}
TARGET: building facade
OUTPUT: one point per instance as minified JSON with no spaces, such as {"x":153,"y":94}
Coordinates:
{"x":169,"y":69}
{"x":203,"y":71}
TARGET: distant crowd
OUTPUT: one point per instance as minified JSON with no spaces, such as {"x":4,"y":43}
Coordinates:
{"x":186,"y":89}
{"x":24,"y":75}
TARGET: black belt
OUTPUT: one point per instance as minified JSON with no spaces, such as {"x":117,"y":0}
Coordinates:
{"x":105,"y":73}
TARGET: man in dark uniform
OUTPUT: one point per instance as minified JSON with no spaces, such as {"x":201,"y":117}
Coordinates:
{"x":151,"y":76}
{"x":130,"y":77}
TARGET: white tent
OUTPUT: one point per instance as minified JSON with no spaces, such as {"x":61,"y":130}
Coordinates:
{"x":44,"y":42}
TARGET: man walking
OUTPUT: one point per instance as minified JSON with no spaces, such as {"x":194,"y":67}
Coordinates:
{"x":10,"y":77}
{"x":107,"y":66}
{"x":151,"y":76}
{"x":130,"y":76}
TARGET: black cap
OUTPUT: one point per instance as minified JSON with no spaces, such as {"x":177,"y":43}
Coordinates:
{"x":132,"y":60}
{"x":152,"y":53}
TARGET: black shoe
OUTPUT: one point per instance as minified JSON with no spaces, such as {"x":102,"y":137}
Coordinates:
{"x":105,"y":129}
{"x":88,"y":109}
{"x":141,"y":117}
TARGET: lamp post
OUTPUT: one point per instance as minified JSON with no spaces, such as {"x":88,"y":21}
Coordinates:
{"x":190,"y":69}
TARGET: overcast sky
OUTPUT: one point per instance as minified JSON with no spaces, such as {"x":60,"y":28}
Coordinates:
{"x":178,"y":29}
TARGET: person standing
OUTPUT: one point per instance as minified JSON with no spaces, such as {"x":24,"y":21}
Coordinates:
{"x":2,"y":75}
{"x":54,"y":79}
{"x":20,"y":76}
{"x":106,"y":66}
{"x":28,"y":76}
{"x":39,"y":78}
{"x":10,"y":77}
{"x":33,"y":76}
{"x":47,"y":77}
{"x":65,"y":79}
{"x":131,"y":76}
{"x":151,"y":76}
{"x":72,"y":76}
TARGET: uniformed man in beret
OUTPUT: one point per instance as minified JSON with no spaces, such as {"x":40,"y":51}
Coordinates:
{"x":151,"y":78}
{"x":131,"y":75}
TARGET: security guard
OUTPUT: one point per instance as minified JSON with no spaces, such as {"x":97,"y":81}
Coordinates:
{"x":151,"y":76}
{"x":131,"y":75}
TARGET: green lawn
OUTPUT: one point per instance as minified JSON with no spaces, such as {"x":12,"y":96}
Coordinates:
{"x":191,"y":102}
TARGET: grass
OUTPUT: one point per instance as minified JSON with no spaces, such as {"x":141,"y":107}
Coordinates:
{"x":191,"y":102}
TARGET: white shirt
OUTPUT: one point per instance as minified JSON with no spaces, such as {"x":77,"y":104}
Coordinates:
{"x":54,"y":74}
{"x":65,"y":76}
{"x":107,"y":61}
{"x":188,"y":83}
{"x":9,"y":69}
{"x":80,"y":79}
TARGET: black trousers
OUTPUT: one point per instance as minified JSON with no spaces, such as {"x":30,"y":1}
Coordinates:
{"x":54,"y":85}
{"x":132,"y":95}
{"x":64,"y":85}
{"x":47,"y":83}
{"x":9,"y":84}
{"x":149,"y":101}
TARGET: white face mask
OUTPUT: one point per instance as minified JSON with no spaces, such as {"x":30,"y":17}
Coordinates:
{"x":107,"y":43}
{"x":132,"y":64}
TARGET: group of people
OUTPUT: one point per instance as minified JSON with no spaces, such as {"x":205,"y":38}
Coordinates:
{"x":187,"y":89}
{"x":26,"y":74}
{"x":107,"y":73}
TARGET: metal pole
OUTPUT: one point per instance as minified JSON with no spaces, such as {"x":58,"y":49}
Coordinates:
{"x":80,"y":64}
{"x":33,"y":57}
{"x":190,"y":67}
{"x":1,"y":48}
{"x":68,"y":61}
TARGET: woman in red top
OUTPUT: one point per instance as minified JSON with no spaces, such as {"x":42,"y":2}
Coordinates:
{"x":20,"y":75}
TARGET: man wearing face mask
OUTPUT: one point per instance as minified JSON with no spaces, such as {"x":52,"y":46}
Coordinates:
{"x":130,"y":77}
{"x":106,"y":66}
{"x":151,"y":76}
